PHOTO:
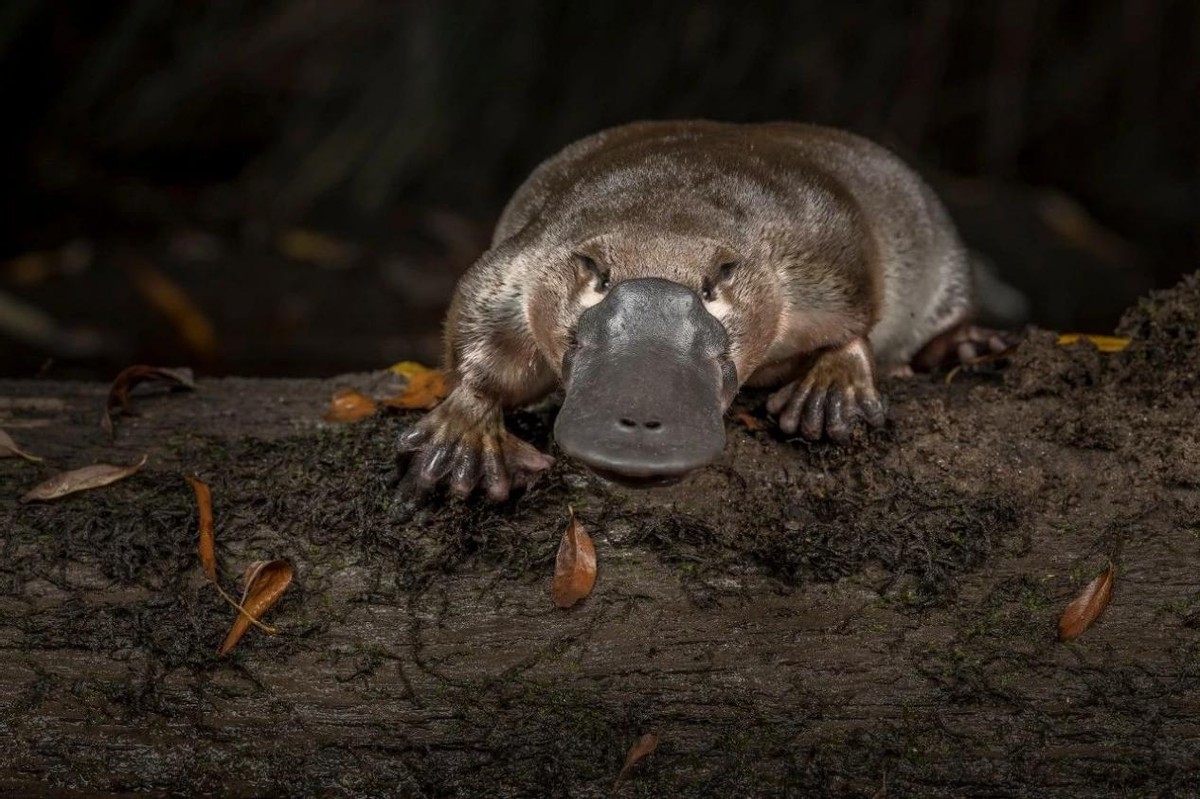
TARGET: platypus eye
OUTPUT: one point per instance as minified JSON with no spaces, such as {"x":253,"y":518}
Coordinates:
{"x":601,"y":275}
{"x":708,"y":289}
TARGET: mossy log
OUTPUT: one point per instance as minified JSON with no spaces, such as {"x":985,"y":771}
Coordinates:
{"x":874,"y":619}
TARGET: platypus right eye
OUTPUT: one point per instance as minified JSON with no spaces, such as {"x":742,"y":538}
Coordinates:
{"x":599,"y":273}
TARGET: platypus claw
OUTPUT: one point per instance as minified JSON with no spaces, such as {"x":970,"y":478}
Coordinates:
{"x":838,"y":391}
{"x":466,"y":454}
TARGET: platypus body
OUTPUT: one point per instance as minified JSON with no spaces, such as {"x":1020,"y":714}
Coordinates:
{"x":656,"y":267}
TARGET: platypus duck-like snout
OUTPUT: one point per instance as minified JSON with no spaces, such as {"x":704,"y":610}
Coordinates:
{"x":647,"y":383}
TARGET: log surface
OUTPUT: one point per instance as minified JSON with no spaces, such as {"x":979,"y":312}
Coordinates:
{"x":877,"y":619}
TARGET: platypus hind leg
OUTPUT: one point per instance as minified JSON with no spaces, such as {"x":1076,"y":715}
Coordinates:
{"x":963,"y":344}
{"x":837,"y":390}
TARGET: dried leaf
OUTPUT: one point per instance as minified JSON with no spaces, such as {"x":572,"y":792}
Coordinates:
{"x":265,"y":580}
{"x":642,"y":748}
{"x":1088,"y":606}
{"x":313,"y":247}
{"x":426,"y":387}
{"x":89,"y":477}
{"x":169,"y":299}
{"x":9,"y":449}
{"x":349,"y":405}
{"x":118,"y":394}
{"x":1103,"y":343}
{"x":575,"y":566}
{"x":207,"y":548}
{"x":750,"y":421}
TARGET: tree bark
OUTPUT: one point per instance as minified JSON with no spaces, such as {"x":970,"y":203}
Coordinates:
{"x":875,"y":620}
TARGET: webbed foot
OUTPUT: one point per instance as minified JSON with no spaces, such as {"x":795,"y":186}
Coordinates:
{"x":964,"y":345}
{"x":463,"y":444}
{"x":837,"y":391}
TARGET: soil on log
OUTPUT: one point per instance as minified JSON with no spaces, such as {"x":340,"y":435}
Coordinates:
{"x":875,"y":619}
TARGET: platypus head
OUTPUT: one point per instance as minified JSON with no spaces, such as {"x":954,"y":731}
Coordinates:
{"x":648,"y":377}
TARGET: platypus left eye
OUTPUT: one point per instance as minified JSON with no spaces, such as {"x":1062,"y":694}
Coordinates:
{"x":601,"y":275}
{"x":708,"y":291}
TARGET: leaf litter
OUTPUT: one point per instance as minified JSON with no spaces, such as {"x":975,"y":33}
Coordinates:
{"x":575,"y":566}
{"x":642,"y":748}
{"x":264,"y":581}
{"x":425,"y":389}
{"x":1087,"y":607}
{"x":10,"y":449}
{"x":349,"y":405}
{"x":85,"y":479}
{"x":119,"y":401}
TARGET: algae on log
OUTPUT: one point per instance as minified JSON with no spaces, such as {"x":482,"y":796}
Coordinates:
{"x":797,"y":619}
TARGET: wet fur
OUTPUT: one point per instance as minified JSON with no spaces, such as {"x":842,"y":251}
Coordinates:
{"x":836,"y":242}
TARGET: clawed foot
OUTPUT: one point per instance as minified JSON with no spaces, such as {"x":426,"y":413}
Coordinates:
{"x":838,"y":391}
{"x":965,"y":344}
{"x":463,"y":443}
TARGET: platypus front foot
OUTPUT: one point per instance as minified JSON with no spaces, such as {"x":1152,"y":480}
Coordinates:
{"x":463,"y":443}
{"x":837,"y":391}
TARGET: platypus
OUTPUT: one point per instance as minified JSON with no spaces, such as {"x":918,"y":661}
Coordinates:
{"x":654,"y":268}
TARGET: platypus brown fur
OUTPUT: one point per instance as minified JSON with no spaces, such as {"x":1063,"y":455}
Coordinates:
{"x":656,"y":267}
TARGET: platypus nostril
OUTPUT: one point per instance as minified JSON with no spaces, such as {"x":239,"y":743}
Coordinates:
{"x":652,"y":425}
{"x":628,"y":423}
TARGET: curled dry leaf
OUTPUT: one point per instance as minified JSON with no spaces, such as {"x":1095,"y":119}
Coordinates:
{"x":642,"y":748}
{"x":89,"y":477}
{"x":265,"y":581}
{"x":118,"y":394}
{"x":1103,"y":343}
{"x":349,"y":405}
{"x":207,"y":548}
{"x":750,"y":421}
{"x":9,"y":449}
{"x":575,"y":566}
{"x":1088,"y":606}
{"x":426,"y":387}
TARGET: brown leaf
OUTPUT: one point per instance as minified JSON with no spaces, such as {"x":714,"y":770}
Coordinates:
{"x":750,"y":422}
{"x":575,"y":566}
{"x":207,"y":548}
{"x":1088,"y":606}
{"x":642,"y":748}
{"x":265,"y":580}
{"x":348,"y":405}
{"x":168,"y":298}
{"x":118,"y":394}
{"x":96,"y":476}
{"x":426,"y":388}
{"x":9,"y":449}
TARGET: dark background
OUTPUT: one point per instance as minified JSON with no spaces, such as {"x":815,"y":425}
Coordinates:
{"x":293,"y":187}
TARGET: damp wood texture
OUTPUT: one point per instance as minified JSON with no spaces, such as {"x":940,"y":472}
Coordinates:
{"x":873,"y":619}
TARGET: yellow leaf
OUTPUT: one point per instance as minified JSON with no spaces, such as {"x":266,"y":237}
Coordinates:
{"x":313,"y":247}
{"x":1103,"y":343}
{"x":425,"y":389}
{"x":409,"y":369}
{"x":349,"y":405}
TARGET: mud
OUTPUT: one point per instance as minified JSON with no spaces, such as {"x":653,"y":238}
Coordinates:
{"x":873,"y":619}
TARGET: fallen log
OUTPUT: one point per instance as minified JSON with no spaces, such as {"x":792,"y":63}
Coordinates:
{"x":873,"y":619}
